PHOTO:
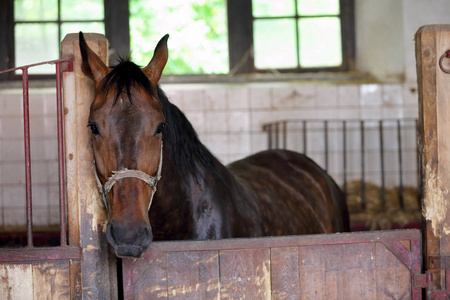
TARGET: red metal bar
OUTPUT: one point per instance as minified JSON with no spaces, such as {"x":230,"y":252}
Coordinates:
{"x":26,"y":136}
{"x":61,"y":171}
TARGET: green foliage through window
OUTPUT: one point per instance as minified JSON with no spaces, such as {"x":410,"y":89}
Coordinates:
{"x":198,"y":42}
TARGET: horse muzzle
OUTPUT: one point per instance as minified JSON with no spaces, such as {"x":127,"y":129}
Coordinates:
{"x":129,"y":241}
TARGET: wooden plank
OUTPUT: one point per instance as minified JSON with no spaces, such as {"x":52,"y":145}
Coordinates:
{"x":193,"y":275}
{"x":285,"y":273}
{"x":245,"y":274}
{"x":339,"y":266}
{"x":87,"y":217}
{"x":151,"y":284}
{"x":51,"y":280}
{"x":393,"y":279}
{"x":16,"y":281}
{"x":350,"y":270}
{"x":312,"y":272}
{"x":434,"y":146}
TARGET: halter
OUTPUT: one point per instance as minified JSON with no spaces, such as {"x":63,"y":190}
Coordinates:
{"x":126,"y":173}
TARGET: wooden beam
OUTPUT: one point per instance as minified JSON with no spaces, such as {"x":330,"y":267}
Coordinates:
{"x":86,"y":214}
{"x":432,"y":41}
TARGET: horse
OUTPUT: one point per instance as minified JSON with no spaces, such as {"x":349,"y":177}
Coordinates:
{"x":159,"y":182}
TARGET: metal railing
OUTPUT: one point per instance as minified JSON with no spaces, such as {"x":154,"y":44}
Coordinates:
{"x":389,"y":135}
{"x":60,"y":66}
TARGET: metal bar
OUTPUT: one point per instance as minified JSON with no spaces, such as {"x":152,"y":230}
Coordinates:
{"x":325,"y":125}
{"x":277,"y":128}
{"x":400,"y":166}
{"x":344,"y":149}
{"x":383,"y":185}
{"x":26,"y":137}
{"x":363,"y":180}
{"x":61,"y":171}
{"x":268,"y":129}
{"x":304,"y":137}
{"x":38,"y":64}
{"x":284,"y":134}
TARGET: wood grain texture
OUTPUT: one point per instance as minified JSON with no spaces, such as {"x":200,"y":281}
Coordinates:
{"x":344,"y":266}
{"x":285,"y":273}
{"x":432,"y":41}
{"x":16,"y":281}
{"x":86,"y":214}
{"x":203,"y":279}
{"x":51,"y":280}
{"x":245,"y":274}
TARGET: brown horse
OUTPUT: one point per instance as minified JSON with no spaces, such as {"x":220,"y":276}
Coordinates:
{"x":160,"y":182}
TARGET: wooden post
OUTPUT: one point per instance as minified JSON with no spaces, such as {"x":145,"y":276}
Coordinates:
{"x":86,"y":214}
{"x":432,"y":41}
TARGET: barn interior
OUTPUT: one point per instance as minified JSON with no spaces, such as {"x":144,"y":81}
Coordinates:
{"x":354,"y":112}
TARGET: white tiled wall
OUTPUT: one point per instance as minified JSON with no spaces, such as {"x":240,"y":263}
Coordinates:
{"x":227,"y":117}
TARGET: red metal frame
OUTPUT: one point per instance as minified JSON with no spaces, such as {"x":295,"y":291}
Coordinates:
{"x":65,"y":65}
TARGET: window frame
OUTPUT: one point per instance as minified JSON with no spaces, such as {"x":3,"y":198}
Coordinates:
{"x":240,"y":39}
{"x":116,"y":31}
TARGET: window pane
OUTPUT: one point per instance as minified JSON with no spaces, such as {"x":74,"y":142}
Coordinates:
{"x":82,"y":10}
{"x":318,"y":7}
{"x":35,"y":10}
{"x":273,"y":8}
{"x":198,"y":42}
{"x":275,"y":44}
{"x":320,"y":42}
{"x":37,"y":43}
{"x":72,"y":27}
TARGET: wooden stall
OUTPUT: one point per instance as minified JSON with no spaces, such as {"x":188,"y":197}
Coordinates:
{"x":399,"y":264}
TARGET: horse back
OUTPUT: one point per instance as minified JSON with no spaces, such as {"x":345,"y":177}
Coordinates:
{"x":291,"y":194}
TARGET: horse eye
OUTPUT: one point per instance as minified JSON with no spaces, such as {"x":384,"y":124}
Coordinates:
{"x":94,"y":128}
{"x":160,"y":128}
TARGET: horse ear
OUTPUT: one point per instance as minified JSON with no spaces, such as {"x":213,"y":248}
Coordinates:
{"x":156,"y":66}
{"x":91,"y":65}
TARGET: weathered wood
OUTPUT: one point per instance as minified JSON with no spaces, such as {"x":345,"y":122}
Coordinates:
{"x":203,"y":279}
{"x":16,"y":281}
{"x":432,"y":41}
{"x":51,"y":280}
{"x":86,"y":214}
{"x":285,"y":273}
{"x":341,"y":266}
{"x":245,"y":274}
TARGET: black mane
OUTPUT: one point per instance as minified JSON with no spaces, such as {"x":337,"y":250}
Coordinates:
{"x":189,"y":154}
{"x":123,"y":76}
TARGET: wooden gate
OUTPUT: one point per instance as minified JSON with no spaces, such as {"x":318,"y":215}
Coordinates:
{"x":373,"y":265}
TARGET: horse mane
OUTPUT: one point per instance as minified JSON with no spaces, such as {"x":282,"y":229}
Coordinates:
{"x":123,"y":75}
{"x":190,"y":156}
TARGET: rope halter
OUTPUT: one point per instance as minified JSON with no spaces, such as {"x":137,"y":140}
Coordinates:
{"x":152,"y":181}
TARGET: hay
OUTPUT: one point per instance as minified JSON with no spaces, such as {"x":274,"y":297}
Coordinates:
{"x":379,"y":215}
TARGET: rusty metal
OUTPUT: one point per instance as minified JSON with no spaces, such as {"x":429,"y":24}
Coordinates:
{"x":65,"y":64}
{"x":441,"y":61}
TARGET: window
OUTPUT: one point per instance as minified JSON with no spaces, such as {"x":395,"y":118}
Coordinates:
{"x":198,"y":41}
{"x":207,"y":36}
{"x":41,"y":25}
{"x":291,"y":35}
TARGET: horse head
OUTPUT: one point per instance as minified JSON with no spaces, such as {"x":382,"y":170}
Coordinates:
{"x":126,"y":121}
